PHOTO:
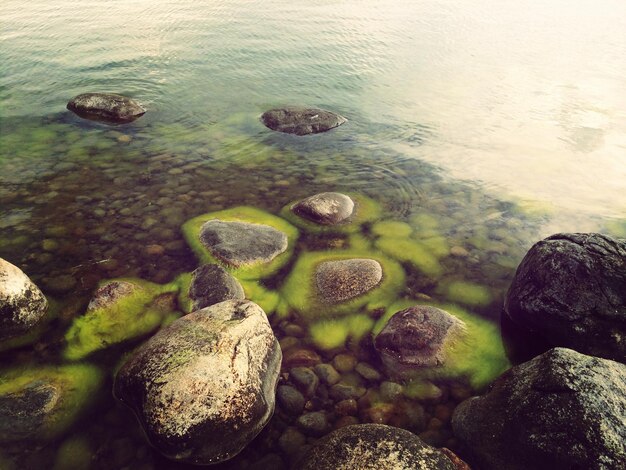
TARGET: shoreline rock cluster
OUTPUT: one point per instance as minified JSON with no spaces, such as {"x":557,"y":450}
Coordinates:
{"x":203,"y":385}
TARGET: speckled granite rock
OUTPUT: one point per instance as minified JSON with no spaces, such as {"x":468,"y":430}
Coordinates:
{"x":212,"y":284}
{"x":325,"y":208}
{"x":300,"y":120}
{"x":561,"y":410}
{"x":205,"y":386}
{"x":338,"y":281}
{"x":107,"y":107}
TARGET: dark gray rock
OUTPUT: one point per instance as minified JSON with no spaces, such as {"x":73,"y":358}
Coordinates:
{"x":570,"y":291}
{"x":327,"y":374}
{"x":305,"y":379}
{"x":338,"y":281}
{"x":300,"y":120}
{"x":204,"y":386}
{"x":561,"y":410}
{"x":325,"y":208}
{"x":416,"y":337}
{"x":290,"y":400}
{"x":373,"y":447}
{"x":106,"y":107}
{"x":22,"y":304}
{"x":242,"y":243}
{"x":22,"y":413}
{"x":212,"y":284}
{"x":313,"y":424}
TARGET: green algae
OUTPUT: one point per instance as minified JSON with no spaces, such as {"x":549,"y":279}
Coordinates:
{"x":183,"y":282}
{"x":334,"y":333}
{"x":392,"y":228}
{"x":74,"y":453}
{"x":267,"y":299}
{"x":413,"y":252}
{"x":77,"y":385}
{"x":478,"y":357}
{"x":365,"y":210}
{"x":300,"y":291}
{"x":129,"y":317}
{"x":191,"y":230}
{"x":467,"y":293}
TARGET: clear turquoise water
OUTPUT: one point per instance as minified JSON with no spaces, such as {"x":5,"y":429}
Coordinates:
{"x":503,"y":120}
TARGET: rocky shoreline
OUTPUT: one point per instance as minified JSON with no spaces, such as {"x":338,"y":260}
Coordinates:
{"x":421,"y":352}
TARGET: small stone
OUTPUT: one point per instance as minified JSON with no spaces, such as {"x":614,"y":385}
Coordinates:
{"x":325,"y":208}
{"x":291,"y":440}
{"x":343,"y":391}
{"x":367,"y":371}
{"x":155,"y":250}
{"x":390,"y":391}
{"x":290,"y":400}
{"x":313,"y":424}
{"x":212,"y":284}
{"x":288,"y":342}
{"x":346,"y":421}
{"x":327,"y":374}
{"x":305,"y":379}
{"x":60,"y":284}
{"x":346,"y":407}
{"x":381,"y":413}
{"x":459,"y":252}
{"x":292,"y":329}
{"x":50,"y":245}
{"x":344,"y":363}
{"x":300,"y":357}
{"x":338,"y":281}
{"x":107,"y":107}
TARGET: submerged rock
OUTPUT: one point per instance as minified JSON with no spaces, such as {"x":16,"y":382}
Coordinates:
{"x":338,"y":281}
{"x":107,"y":107}
{"x":561,"y":410}
{"x":416,"y":337}
{"x":212,"y":284}
{"x":40,"y":403}
{"x":300,"y":120}
{"x":22,"y":304}
{"x":204,"y":387}
{"x":325,"y":208}
{"x":242,"y":243}
{"x":373,"y":447}
{"x":570,"y":290}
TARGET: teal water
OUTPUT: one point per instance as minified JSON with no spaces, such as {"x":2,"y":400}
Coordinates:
{"x":504,"y":121}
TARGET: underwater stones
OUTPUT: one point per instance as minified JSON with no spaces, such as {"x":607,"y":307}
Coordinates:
{"x":204,"y":386}
{"x":570,"y":290}
{"x":373,"y":447}
{"x":562,"y":409}
{"x":212,"y":284}
{"x":325,"y":208}
{"x":300,"y":120}
{"x":416,"y":337}
{"x":242,"y":243}
{"x":107,"y":107}
{"x":111,"y":292}
{"x":40,"y":403}
{"x":22,"y":304}
{"x":342,"y":280}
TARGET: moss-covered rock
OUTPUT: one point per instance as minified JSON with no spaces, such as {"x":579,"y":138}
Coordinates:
{"x":466,"y":293}
{"x":41,"y":403}
{"x":411,"y":251}
{"x":192,"y":230}
{"x":119,"y":311}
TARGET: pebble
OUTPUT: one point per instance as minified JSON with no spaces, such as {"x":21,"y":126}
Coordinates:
{"x":459,"y":252}
{"x":346,"y":407}
{"x":60,"y":284}
{"x":313,"y":424}
{"x":290,"y":400}
{"x":327,"y":374}
{"x":300,"y":357}
{"x":155,"y":250}
{"x":342,"y":391}
{"x":367,"y":371}
{"x":305,"y":379}
{"x":390,"y":391}
{"x":288,"y":342}
{"x":346,"y":421}
{"x":291,"y":441}
{"x":381,"y":413}
{"x":344,"y":362}
{"x":294,"y":330}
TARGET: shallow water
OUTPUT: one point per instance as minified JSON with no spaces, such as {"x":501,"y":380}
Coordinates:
{"x":504,"y":121}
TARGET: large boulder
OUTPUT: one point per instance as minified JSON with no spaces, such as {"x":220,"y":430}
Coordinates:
{"x":338,"y":281}
{"x":204,"y":387}
{"x":242,"y":243}
{"x":22,"y":304}
{"x":570,"y":291}
{"x":325,"y":208}
{"x":107,"y":107}
{"x":212,"y":284}
{"x":561,"y":410}
{"x":417,"y":337}
{"x":300,"y":120}
{"x":373,"y":447}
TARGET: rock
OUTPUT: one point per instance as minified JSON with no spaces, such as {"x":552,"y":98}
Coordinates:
{"x":242,"y":243}
{"x":212,"y":284}
{"x":343,"y":391}
{"x":344,"y":362}
{"x":204,"y":387}
{"x":38,"y":404}
{"x":301,"y":357}
{"x":367,"y":371}
{"x":290,"y":400}
{"x":305,"y":379}
{"x":390,"y":391}
{"x":417,"y":337}
{"x":570,"y":291}
{"x":291,"y":441}
{"x":560,"y":410}
{"x":300,"y":120}
{"x":327,"y":374}
{"x":325,"y":208}
{"x":107,"y":107}
{"x":313,"y":424}
{"x":373,"y":447}
{"x":111,"y":292}
{"x":59,"y":285}
{"x":338,"y":281}
{"x":22,"y":304}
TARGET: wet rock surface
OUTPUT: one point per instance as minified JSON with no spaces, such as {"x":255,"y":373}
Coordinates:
{"x":241,"y":243}
{"x":570,"y":291}
{"x":22,"y":304}
{"x":212,"y":284}
{"x":109,"y":293}
{"x":563,"y":409}
{"x":325,"y":208}
{"x":374,"y":447}
{"x":204,"y":387}
{"x":22,"y":413}
{"x":300,"y":120}
{"x":106,"y":107}
{"x":417,"y":337}
{"x":338,"y":281}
